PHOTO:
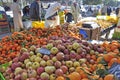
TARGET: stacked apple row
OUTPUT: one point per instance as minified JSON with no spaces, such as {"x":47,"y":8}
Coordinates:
{"x":66,"y":54}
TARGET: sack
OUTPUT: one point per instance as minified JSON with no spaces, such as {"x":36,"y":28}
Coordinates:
{"x":27,"y":24}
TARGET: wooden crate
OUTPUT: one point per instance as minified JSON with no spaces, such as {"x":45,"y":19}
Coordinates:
{"x":91,"y":34}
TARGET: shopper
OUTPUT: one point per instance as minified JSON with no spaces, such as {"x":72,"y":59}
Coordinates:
{"x":26,"y":11}
{"x":35,"y":11}
{"x":75,"y":10}
{"x":109,"y":10}
{"x":51,"y":17}
{"x":68,"y":16}
{"x":17,"y":18}
{"x":104,"y":10}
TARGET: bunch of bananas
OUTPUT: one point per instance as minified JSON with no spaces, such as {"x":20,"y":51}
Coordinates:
{"x":38,"y":24}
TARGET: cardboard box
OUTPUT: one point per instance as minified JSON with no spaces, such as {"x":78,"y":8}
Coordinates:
{"x":90,"y":33}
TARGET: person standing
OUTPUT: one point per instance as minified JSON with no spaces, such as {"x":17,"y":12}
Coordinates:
{"x":68,"y":16}
{"x":75,"y":10}
{"x":17,"y":18}
{"x":35,"y":11}
{"x":109,"y":10}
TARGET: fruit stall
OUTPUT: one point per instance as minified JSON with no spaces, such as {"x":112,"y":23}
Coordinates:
{"x":57,"y":53}
{"x":101,"y":24}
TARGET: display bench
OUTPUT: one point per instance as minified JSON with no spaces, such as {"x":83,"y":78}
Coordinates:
{"x":107,"y":30}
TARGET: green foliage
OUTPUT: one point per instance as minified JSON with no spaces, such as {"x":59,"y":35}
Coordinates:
{"x":92,"y":2}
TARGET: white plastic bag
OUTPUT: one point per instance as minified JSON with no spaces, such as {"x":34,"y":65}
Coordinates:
{"x":27,"y":24}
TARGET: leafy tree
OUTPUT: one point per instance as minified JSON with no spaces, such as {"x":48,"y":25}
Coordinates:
{"x":92,"y":2}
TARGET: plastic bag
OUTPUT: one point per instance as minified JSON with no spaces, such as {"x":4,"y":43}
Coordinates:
{"x":27,"y":24}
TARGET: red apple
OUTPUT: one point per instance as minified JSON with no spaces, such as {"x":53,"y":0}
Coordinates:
{"x":40,"y":70}
{"x":59,"y":72}
{"x":60,"y":56}
{"x":64,"y":69}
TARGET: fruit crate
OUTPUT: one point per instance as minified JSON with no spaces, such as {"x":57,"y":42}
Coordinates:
{"x":4,"y":29}
{"x":90,"y":33}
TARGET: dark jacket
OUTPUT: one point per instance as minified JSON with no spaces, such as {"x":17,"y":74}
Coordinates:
{"x":34,"y":11}
{"x":69,"y":17}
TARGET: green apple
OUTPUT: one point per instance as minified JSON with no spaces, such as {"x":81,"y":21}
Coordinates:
{"x":76,"y":64}
{"x":75,"y":45}
{"x":35,"y":65}
{"x":29,"y":64}
{"x":69,"y":64}
{"x":52,"y":77}
{"x":38,"y":59}
{"x":26,"y":61}
{"x":49,"y":63}
{"x":49,"y":46}
{"x":54,"y":50}
{"x":43,"y":63}
{"x":32,"y":58}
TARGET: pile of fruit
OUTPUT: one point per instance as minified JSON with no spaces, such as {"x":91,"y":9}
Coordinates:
{"x":69,"y":59}
{"x":11,"y":45}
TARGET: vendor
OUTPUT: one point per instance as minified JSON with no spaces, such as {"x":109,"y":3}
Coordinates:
{"x":51,"y":16}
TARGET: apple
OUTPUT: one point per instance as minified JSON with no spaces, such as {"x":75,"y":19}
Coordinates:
{"x":54,"y":59}
{"x":46,"y":57}
{"x":92,"y":61}
{"x":17,"y":77}
{"x":57,"y":64}
{"x":67,"y":57}
{"x":43,"y":63}
{"x":78,"y":57}
{"x":66,"y":51}
{"x":31,"y":73}
{"x":18,"y":70}
{"x":10,"y":63}
{"x":29,"y":64}
{"x":32,"y":79}
{"x":50,"y":69}
{"x":16,"y":59}
{"x":31,"y":53}
{"x":71,"y":69}
{"x":14,"y":66}
{"x":73,"y":54}
{"x":12,"y":75}
{"x":69,"y":47}
{"x":82,"y":60}
{"x":60,"y":56}
{"x":54,"y":50}
{"x":35,"y":65}
{"x":23,"y":50}
{"x":38,"y":59}
{"x":8,"y":71}
{"x":49,"y":63}
{"x":33,"y":48}
{"x":26,"y":61}
{"x":69,"y":64}
{"x":39,"y":54}
{"x":40,"y":70}
{"x":52,"y":77}
{"x":60,"y":47}
{"x":32,"y":58}
{"x":76,"y":64}
{"x":24,"y":76}
{"x":92,"y":52}
{"x":45,"y":76}
{"x":37,"y":50}
{"x":75,"y":45}
{"x":49,"y":46}
{"x":88,"y":57}
{"x":64,"y":69}
{"x":59,"y":72}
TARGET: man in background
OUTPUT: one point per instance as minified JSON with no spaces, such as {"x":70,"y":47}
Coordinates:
{"x":35,"y":11}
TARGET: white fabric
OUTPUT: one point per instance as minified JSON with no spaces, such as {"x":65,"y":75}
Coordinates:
{"x":17,"y":18}
{"x":52,"y":23}
{"x":2,"y":9}
{"x":52,"y":10}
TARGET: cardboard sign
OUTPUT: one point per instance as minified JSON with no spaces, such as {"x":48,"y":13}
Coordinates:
{"x":44,"y":51}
